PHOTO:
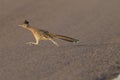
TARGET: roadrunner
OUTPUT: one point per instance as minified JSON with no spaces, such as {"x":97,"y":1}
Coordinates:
{"x":40,"y":34}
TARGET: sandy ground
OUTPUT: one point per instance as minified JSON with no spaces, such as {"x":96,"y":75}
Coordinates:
{"x":96,"y":23}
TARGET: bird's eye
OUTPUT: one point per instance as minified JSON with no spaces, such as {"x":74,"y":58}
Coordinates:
{"x":26,"y":25}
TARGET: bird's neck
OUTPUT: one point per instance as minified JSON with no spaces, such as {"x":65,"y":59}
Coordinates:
{"x":32,"y":29}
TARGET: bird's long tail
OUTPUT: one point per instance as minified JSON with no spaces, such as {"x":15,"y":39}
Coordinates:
{"x":65,"y":38}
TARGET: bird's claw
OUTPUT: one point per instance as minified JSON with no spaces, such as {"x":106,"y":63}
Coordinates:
{"x":31,"y":43}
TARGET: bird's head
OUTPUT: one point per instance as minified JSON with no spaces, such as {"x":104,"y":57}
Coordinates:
{"x":25,"y":24}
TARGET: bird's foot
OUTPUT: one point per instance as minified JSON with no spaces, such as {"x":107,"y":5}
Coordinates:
{"x":32,"y":43}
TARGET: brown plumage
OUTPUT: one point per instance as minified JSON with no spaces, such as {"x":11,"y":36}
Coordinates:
{"x":40,"y":34}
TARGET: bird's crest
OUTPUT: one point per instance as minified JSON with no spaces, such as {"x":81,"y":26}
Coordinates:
{"x":26,"y":22}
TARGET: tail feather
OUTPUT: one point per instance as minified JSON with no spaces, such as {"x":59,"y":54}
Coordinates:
{"x":65,"y":38}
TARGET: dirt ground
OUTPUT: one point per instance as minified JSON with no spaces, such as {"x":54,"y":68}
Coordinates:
{"x":96,"y":23}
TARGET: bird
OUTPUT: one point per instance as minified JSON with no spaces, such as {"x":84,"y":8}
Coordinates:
{"x":40,"y":34}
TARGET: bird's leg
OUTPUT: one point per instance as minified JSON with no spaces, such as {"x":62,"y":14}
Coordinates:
{"x":34,"y":43}
{"x":54,"y":42}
